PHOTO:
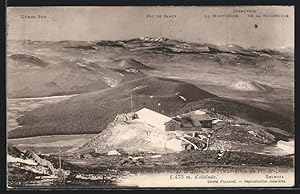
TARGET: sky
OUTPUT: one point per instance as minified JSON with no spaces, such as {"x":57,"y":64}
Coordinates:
{"x":189,"y":24}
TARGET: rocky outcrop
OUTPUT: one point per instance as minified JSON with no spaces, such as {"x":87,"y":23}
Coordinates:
{"x":15,"y":152}
{"x":29,"y":154}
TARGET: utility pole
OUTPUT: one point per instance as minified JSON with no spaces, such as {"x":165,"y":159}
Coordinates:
{"x":61,"y":173}
{"x":59,"y":158}
{"x":131,"y":103}
{"x":165,"y":146}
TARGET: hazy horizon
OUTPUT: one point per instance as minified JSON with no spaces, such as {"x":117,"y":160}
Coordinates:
{"x":123,"y":23}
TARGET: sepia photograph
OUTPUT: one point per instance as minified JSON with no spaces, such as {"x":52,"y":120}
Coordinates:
{"x":150,"y":97}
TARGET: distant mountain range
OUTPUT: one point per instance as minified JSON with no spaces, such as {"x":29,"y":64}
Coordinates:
{"x":158,"y":41}
{"x":178,"y":46}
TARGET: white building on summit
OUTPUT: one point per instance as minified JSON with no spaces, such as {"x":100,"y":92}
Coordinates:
{"x":153,"y":119}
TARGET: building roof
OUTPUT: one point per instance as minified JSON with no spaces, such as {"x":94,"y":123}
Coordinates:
{"x":121,"y":151}
{"x":202,"y":117}
{"x":196,"y":123}
{"x":198,"y":112}
{"x":173,"y":121}
{"x":153,"y":118}
{"x":191,"y":113}
{"x":186,"y":123}
{"x":197,"y":117}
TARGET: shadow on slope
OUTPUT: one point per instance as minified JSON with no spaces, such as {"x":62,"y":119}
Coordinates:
{"x":92,"y":112}
{"x":27,"y":60}
{"x":123,"y":64}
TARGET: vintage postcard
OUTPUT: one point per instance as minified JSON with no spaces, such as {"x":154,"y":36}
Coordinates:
{"x":153,"y":96}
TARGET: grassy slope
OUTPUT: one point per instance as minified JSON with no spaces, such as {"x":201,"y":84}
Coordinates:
{"x":92,"y":112}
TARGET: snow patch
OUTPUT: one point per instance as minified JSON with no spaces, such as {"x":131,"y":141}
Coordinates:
{"x":120,"y":74}
{"x":180,"y":96}
{"x":19,"y":160}
{"x":140,"y":87}
{"x":183,"y":98}
{"x":238,"y":125}
{"x":198,"y":112}
{"x":215,"y":121}
{"x":35,"y":169}
{"x":287,"y":146}
{"x":247,"y":86}
{"x":132,"y":70}
{"x":155,"y":156}
{"x":88,"y":177}
{"x":110,"y":82}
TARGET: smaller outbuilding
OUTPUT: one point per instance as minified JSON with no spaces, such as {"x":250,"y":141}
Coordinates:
{"x":198,"y":120}
{"x":172,"y":125}
{"x":202,"y":120}
{"x":114,"y":153}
